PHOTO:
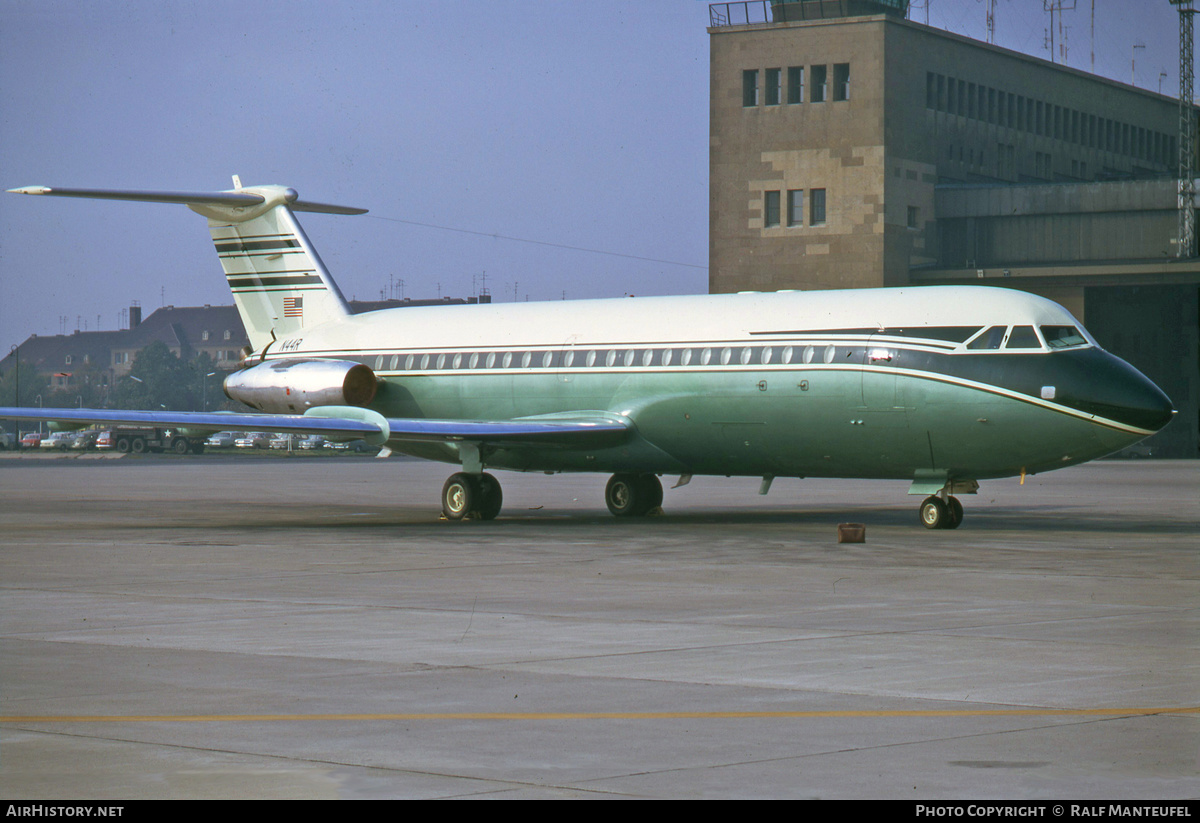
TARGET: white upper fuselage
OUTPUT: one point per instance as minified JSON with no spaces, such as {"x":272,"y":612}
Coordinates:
{"x":651,"y":320}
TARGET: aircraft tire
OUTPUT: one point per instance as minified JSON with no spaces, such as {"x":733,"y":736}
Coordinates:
{"x":632,"y":495}
{"x":653,"y":490}
{"x":460,"y":496}
{"x":934,"y":514}
{"x":955,"y":511}
{"x":491,"y":497}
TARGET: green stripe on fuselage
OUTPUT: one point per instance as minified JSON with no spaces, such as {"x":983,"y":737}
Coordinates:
{"x":827,"y":421}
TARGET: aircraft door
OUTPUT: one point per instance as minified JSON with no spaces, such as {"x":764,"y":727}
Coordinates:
{"x":879,"y":383}
{"x":569,"y":360}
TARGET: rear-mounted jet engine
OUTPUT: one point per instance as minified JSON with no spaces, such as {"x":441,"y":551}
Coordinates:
{"x":294,"y":386}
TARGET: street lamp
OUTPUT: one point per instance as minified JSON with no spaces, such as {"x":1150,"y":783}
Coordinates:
{"x":15,"y":349}
{"x":204,"y":388}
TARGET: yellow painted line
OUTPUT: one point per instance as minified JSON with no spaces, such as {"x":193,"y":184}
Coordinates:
{"x":767,"y":715}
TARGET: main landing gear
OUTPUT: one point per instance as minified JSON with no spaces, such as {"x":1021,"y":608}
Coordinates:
{"x":633,"y":495}
{"x":467,"y":496}
{"x":937,"y":513}
{"x":476,"y":496}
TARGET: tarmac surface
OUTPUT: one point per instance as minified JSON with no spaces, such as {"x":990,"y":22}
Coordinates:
{"x":288,"y":627}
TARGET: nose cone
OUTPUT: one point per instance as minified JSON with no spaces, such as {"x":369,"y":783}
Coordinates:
{"x":1105,"y":385}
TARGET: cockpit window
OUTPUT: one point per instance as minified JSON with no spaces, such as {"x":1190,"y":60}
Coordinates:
{"x":1023,"y":337}
{"x":1062,"y":337}
{"x":990,"y":338}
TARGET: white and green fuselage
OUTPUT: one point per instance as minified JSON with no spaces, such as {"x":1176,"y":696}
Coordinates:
{"x":879,"y":383}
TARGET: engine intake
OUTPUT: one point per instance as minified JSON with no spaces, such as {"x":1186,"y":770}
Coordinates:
{"x":294,"y":386}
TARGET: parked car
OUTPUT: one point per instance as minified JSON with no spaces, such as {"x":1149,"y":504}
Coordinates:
{"x":253,"y":440}
{"x":313,"y":441}
{"x":356,"y":446}
{"x":31,"y":440}
{"x":286,"y":441}
{"x":105,"y":440}
{"x":85,"y":440}
{"x":224,"y":440}
{"x":7,"y":441}
{"x":57,"y":440}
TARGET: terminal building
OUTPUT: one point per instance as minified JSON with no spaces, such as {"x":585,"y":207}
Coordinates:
{"x":851,"y":147}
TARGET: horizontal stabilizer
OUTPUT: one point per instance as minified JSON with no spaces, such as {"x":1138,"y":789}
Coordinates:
{"x":222,"y":198}
{"x":237,"y":198}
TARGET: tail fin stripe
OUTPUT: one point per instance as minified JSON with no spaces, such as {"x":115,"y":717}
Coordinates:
{"x":258,"y":245}
{"x":258,"y":282}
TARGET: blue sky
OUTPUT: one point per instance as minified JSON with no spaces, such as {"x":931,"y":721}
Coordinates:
{"x":570,"y":123}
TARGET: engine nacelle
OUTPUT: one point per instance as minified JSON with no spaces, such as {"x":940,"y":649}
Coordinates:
{"x":294,"y":386}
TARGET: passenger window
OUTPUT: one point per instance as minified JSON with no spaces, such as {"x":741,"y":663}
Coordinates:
{"x":766,"y":355}
{"x":507,"y":360}
{"x":569,"y":358}
{"x":1023,"y":337}
{"x":547,"y":358}
{"x":990,"y":338}
{"x":424,"y":362}
{"x":491,"y":360}
{"x":591,"y":359}
{"x":705,"y":356}
{"x":526,"y":359}
{"x":666,"y":357}
{"x":685,"y":359}
{"x":408,"y":362}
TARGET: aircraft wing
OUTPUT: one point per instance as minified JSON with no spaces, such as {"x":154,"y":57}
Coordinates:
{"x":588,"y":429}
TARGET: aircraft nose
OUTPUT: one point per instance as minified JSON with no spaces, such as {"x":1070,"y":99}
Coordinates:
{"x":1116,"y":390}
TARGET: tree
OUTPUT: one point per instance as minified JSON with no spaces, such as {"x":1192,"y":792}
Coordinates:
{"x":157,"y":379}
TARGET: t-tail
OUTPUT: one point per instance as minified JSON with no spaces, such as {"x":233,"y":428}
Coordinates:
{"x":279,"y":283}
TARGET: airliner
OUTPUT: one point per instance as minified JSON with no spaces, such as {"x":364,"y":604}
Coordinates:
{"x":942,"y":386}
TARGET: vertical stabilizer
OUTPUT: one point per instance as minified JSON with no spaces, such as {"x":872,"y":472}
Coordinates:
{"x":279,"y":283}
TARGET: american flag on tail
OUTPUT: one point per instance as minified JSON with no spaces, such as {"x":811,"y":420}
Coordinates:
{"x":293,"y":307}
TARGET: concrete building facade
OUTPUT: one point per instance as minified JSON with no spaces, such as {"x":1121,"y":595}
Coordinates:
{"x":853,"y":148}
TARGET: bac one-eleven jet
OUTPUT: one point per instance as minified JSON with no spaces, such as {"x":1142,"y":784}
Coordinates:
{"x":941,"y":386}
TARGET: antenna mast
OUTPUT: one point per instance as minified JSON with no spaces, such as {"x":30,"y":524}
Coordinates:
{"x":1187,"y":133}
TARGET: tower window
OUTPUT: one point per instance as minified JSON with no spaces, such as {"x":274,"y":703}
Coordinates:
{"x":816,"y":207}
{"x":795,"y":207}
{"x":750,"y":88}
{"x":841,"y":81}
{"x":819,"y":75}
{"x":774,"y":86}
{"x":795,"y":84}
{"x":770,"y":209}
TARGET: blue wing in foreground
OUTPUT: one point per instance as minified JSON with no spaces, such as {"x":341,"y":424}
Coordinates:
{"x":575,"y":431}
